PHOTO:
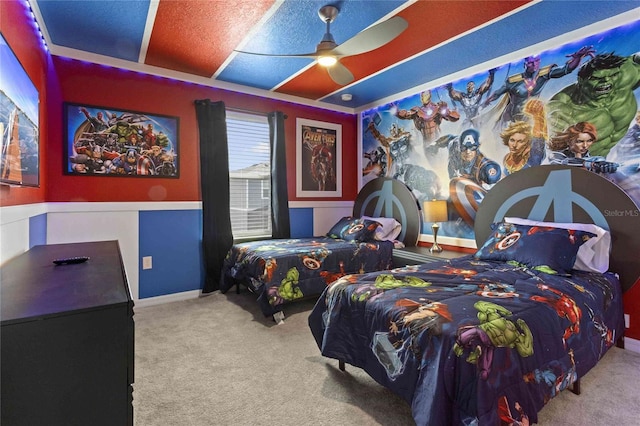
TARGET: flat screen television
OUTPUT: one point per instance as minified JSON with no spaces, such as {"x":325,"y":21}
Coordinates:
{"x":19,"y":118}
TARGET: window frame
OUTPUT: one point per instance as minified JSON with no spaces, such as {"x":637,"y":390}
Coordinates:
{"x":259,"y":134}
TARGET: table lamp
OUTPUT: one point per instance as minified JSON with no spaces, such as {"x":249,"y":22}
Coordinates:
{"x":435,"y":211}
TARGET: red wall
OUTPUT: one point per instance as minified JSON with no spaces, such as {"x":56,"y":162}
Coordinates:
{"x":82,"y":82}
{"x":17,"y":28}
{"x":59,"y":80}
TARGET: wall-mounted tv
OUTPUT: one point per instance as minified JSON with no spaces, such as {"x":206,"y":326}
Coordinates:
{"x":19,"y":118}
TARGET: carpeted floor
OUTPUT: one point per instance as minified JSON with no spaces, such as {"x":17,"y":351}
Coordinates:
{"x":217,"y":361}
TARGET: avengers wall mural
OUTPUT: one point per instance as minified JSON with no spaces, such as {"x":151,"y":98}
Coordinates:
{"x":576,"y":104}
{"x":111,"y":142}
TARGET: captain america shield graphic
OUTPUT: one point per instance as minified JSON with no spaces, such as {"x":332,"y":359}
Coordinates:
{"x":466,"y":195}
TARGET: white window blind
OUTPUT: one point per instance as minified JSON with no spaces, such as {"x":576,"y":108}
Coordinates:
{"x":249,"y":175}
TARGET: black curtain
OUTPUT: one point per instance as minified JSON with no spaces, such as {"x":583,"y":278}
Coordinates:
{"x":280,"y":225}
{"x":217,"y":237}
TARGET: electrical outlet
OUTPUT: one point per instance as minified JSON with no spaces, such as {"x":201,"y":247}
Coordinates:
{"x":147,"y":262}
{"x":626,"y":320}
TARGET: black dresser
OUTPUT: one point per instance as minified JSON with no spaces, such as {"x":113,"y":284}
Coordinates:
{"x":67,"y":338}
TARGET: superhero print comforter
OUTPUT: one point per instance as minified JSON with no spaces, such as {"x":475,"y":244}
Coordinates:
{"x":467,"y":341}
{"x":281,"y":271}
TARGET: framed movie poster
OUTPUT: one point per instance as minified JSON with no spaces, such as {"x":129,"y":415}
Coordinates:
{"x":101,"y":141}
{"x":318,"y":159}
{"x":19,"y":120}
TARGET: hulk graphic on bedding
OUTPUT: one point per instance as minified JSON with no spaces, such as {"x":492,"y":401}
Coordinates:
{"x":494,"y":331}
{"x":288,"y":288}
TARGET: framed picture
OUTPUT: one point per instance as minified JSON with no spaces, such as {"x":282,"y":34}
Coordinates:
{"x":19,"y":120}
{"x":101,"y":141}
{"x":318,"y":159}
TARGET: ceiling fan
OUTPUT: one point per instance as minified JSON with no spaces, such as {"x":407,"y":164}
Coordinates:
{"x":328,"y":52}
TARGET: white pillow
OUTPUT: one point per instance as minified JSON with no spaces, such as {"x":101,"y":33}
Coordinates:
{"x":593,"y":256}
{"x":389,"y":228}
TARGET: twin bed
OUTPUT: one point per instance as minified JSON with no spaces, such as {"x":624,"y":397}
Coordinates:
{"x":281,"y":271}
{"x":490,"y":338}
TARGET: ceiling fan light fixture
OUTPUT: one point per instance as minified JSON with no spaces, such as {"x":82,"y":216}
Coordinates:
{"x":328,"y":53}
{"x":327,"y":60}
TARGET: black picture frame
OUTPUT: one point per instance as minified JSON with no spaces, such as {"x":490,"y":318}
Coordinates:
{"x":115,"y":142}
{"x":19,"y":122}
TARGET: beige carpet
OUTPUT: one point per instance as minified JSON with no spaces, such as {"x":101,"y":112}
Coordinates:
{"x":217,"y":361}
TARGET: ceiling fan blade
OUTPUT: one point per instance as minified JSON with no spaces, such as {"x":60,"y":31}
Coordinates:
{"x":312,"y":55}
{"x":372,"y":38}
{"x":340,"y":74}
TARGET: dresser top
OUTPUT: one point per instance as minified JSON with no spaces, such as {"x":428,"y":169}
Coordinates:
{"x":32,"y":287}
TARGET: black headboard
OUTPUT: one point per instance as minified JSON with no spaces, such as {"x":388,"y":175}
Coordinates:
{"x":568,"y":194}
{"x":386,"y":197}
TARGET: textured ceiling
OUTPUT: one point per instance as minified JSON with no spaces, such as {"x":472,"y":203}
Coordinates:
{"x":196,"y":41}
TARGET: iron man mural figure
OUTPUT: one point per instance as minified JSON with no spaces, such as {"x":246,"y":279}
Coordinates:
{"x":428,"y":117}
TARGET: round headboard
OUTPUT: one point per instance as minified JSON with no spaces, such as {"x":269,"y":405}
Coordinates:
{"x":386,"y":197}
{"x":568,"y":194}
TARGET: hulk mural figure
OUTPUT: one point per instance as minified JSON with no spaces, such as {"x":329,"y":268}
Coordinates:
{"x":603,"y":96}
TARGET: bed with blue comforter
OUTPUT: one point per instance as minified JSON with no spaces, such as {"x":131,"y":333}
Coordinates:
{"x":490,"y":338}
{"x":468,"y":341}
{"x":281,"y":271}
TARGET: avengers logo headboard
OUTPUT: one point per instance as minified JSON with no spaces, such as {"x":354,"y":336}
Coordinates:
{"x":386,"y":197}
{"x":568,"y":194}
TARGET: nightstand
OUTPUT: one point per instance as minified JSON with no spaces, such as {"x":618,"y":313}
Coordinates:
{"x":421,"y":254}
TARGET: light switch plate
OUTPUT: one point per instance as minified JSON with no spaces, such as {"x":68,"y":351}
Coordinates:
{"x":147,"y":262}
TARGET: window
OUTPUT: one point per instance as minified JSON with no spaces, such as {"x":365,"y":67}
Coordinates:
{"x":249,"y":175}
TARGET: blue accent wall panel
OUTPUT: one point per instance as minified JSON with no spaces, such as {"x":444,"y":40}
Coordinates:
{"x":173,"y":239}
{"x":301,"y":222}
{"x":38,"y":230}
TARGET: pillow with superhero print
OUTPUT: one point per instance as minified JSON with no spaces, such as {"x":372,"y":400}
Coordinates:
{"x":593,"y":256}
{"x":545,"y":249}
{"x":352,"y":229}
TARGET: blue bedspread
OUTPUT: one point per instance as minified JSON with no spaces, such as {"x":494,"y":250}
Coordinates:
{"x":470,"y":342}
{"x":283,"y":270}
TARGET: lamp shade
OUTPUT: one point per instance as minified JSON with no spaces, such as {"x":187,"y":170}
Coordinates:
{"x":435,"y":211}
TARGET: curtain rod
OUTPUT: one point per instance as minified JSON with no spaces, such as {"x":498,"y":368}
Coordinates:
{"x":247,"y":111}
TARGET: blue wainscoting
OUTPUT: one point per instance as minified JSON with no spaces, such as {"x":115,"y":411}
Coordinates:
{"x":173,"y":239}
{"x":301,"y":222}
{"x":38,"y":230}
